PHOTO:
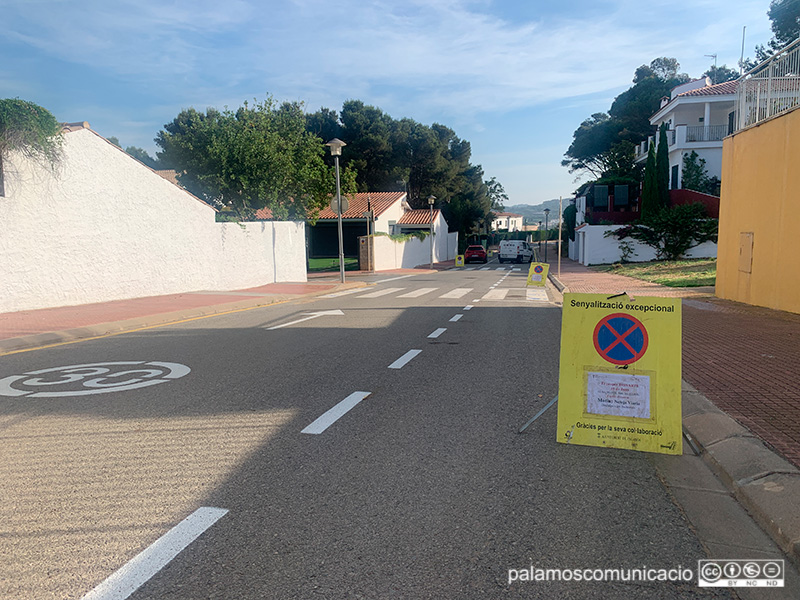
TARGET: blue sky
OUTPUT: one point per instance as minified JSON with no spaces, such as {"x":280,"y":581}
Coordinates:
{"x":515,"y":78}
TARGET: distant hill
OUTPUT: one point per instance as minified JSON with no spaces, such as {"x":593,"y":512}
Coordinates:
{"x":534,"y":213}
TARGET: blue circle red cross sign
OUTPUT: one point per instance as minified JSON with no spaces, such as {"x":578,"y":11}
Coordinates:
{"x":620,"y":339}
{"x":538,"y":269}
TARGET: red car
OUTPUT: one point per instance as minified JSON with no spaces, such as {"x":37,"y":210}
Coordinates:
{"x":475,"y":253}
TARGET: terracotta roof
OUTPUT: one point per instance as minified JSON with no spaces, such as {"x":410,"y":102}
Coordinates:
{"x":420,"y":216}
{"x":379,"y":201}
{"x":720,"y":89}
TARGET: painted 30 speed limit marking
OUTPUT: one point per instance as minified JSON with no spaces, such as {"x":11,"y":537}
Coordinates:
{"x":89,"y":379}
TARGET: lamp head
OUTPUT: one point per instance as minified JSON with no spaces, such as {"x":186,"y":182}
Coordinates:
{"x":336,"y":146}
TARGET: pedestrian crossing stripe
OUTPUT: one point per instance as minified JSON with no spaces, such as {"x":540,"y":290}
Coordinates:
{"x":497,"y":294}
{"x":418,"y":293}
{"x":383,"y":292}
{"x":456,"y":293}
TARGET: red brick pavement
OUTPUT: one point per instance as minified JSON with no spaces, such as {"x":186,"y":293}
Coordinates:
{"x":32,"y":322}
{"x":745,"y":359}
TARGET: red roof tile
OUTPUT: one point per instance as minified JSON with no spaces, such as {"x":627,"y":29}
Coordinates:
{"x":720,"y":89}
{"x":420,"y":216}
{"x":379,"y":201}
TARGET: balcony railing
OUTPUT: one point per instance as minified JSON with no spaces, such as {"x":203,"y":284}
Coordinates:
{"x":772,"y":88}
{"x":712,"y":133}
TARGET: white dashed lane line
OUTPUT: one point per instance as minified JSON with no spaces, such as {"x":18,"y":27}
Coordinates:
{"x":334,"y":414}
{"x":403,"y":360}
{"x":131,"y":576}
{"x":438,"y":332}
{"x":456,"y":318}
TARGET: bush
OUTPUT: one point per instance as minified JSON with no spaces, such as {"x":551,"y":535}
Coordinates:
{"x":672,"y":231}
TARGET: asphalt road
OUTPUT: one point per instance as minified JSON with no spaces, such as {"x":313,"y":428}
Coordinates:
{"x":424,"y":489}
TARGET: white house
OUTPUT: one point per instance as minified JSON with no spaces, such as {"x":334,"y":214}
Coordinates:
{"x":506,"y":220}
{"x":698,"y":116}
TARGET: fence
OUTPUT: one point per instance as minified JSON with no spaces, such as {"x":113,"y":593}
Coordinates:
{"x":771,"y":88}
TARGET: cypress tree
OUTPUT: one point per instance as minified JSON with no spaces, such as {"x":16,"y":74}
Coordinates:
{"x":649,"y":206}
{"x":662,"y":168}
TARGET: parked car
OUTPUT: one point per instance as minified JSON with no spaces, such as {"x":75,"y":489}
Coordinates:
{"x":477,"y":253}
{"x":515,"y":251}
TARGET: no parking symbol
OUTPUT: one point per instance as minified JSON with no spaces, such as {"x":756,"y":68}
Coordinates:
{"x":620,"y":339}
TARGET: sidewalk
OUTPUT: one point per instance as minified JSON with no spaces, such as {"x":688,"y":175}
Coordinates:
{"x":33,"y":328}
{"x":742,"y":401}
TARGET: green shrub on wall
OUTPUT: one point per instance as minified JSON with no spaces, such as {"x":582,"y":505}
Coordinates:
{"x":31,"y":130}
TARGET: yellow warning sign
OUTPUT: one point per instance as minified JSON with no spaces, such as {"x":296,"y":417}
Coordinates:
{"x":460,"y":260}
{"x":537,"y":274}
{"x":619,"y":383}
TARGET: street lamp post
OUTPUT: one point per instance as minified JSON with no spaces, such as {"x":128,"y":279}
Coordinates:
{"x":336,"y":151}
{"x":539,"y":235}
{"x":431,"y":200}
{"x":546,"y":216}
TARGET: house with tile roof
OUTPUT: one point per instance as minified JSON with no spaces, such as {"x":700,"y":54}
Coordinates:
{"x":508,"y":221}
{"x":391,"y":214}
{"x":699,"y":116}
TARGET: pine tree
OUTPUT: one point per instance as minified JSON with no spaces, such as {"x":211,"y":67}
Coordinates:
{"x":649,"y":205}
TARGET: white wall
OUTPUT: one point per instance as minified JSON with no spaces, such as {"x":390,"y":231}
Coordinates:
{"x":591,"y":247}
{"x":106,"y":228}
{"x":414,"y":252}
{"x":393,"y":213}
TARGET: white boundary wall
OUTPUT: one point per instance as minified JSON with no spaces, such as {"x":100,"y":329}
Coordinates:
{"x":591,"y":247}
{"x":414,"y":252}
{"x":106,"y":227}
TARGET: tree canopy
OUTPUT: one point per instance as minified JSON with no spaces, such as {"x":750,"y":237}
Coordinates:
{"x":423,"y":160}
{"x":785,"y":22}
{"x":259,"y":155}
{"x":596,"y":146}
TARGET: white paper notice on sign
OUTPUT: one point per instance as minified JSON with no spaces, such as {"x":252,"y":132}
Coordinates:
{"x":619,"y":395}
{"x":535,"y":277}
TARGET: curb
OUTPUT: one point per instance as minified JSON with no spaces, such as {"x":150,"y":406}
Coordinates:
{"x":765,"y":484}
{"x":558,"y":283}
{"x":51,"y":338}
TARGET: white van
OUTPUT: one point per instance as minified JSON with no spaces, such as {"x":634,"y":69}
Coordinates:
{"x":515,"y":251}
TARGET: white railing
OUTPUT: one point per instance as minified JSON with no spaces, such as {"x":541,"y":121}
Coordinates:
{"x":771,"y":88}
{"x":712,"y":133}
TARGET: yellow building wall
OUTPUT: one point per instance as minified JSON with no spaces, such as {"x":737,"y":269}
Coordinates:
{"x":758,"y":255}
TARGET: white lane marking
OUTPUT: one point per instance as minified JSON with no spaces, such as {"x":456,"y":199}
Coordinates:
{"x":418,"y":293}
{"x":403,"y":360}
{"x":484,"y":269}
{"x":516,"y":269}
{"x":437,"y":333}
{"x":330,"y":417}
{"x":498,"y":294}
{"x":456,"y":293}
{"x":314,"y":315}
{"x":156,"y":556}
{"x":380,"y":293}
{"x":456,"y":318}
{"x":468,"y":307}
{"x":536,"y":294}
{"x":343,"y":293}
{"x":470,"y":269}
{"x":500,"y":269}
